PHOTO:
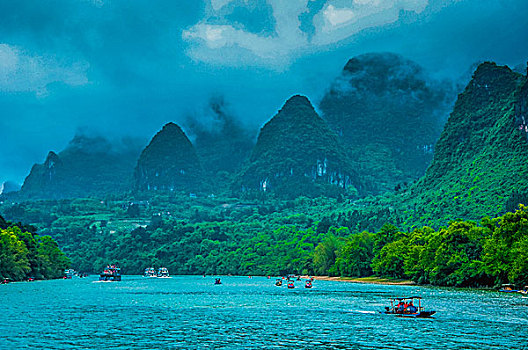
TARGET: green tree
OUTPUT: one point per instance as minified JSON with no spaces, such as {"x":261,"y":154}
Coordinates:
{"x":325,"y":255}
{"x":14,"y":263}
{"x":53,"y":259}
{"x":355,"y":257}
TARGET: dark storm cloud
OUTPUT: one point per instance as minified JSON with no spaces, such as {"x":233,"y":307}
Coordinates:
{"x":127,"y":67}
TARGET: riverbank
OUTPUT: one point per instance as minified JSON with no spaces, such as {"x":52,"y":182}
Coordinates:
{"x":369,"y":280}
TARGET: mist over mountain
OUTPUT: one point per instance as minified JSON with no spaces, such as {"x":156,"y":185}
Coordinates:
{"x":221,"y":141}
{"x":389,"y":114}
{"x":127,"y":68}
{"x":89,"y":165}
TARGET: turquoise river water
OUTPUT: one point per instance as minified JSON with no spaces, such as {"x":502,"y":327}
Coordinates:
{"x":185,"y":312}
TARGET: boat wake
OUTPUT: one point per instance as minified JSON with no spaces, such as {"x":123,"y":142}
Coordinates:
{"x":365,"y":312}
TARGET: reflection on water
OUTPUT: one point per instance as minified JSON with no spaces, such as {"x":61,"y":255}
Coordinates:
{"x":242,"y":313}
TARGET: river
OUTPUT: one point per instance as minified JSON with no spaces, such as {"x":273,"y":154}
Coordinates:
{"x":190,"y":312}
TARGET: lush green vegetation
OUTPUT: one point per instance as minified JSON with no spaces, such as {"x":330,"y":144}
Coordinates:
{"x":24,"y":254}
{"x":461,"y":254}
{"x":212,"y":236}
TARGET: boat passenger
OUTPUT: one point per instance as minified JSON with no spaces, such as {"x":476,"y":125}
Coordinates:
{"x":400,"y":307}
{"x":405,"y":307}
{"x":411,"y":308}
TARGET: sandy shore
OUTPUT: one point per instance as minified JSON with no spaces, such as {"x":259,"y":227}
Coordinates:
{"x":371,"y":280}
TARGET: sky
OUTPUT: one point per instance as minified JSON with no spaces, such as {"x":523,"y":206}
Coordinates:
{"x":126,"y":67}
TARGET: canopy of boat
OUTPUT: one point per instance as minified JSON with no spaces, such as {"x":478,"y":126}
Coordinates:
{"x":406,"y":298}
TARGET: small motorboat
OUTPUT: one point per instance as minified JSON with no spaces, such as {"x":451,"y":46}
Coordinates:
{"x":308,"y":284}
{"x":508,"y":288}
{"x":218,"y":281}
{"x":404,"y":307}
{"x":278,"y":282}
{"x":163,"y":272}
{"x":291,"y":285}
{"x":150,"y":272}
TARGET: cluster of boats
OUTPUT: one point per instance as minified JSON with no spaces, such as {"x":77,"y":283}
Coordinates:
{"x":70,"y":273}
{"x":162,"y":272}
{"x":399,"y":306}
{"x":290,"y":281}
{"x":113,"y":273}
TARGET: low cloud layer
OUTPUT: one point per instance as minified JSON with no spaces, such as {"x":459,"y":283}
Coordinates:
{"x":128,"y":67}
{"x":23,"y":72}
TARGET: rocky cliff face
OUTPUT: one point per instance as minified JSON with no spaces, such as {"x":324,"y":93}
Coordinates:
{"x":88,"y":166}
{"x":389,"y":115}
{"x":42,"y":179}
{"x":168,"y":163}
{"x":521,"y":109}
{"x":297,"y":153}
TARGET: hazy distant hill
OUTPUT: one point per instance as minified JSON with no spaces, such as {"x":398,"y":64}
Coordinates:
{"x":389,"y":115}
{"x":8,"y":187}
{"x":297,"y":154}
{"x":222,"y":144}
{"x":168,"y":163}
{"x":88,"y":166}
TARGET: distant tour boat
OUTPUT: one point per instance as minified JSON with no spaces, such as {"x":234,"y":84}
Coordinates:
{"x":110,"y":273}
{"x":69,"y":273}
{"x":150,"y":272}
{"x":163,"y":272}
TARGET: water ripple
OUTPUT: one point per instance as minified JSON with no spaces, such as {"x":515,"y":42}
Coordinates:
{"x":192,"y":313}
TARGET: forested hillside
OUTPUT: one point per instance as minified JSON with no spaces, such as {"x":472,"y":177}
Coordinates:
{"x":169,"y":162}
{"x":297,"y":154}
